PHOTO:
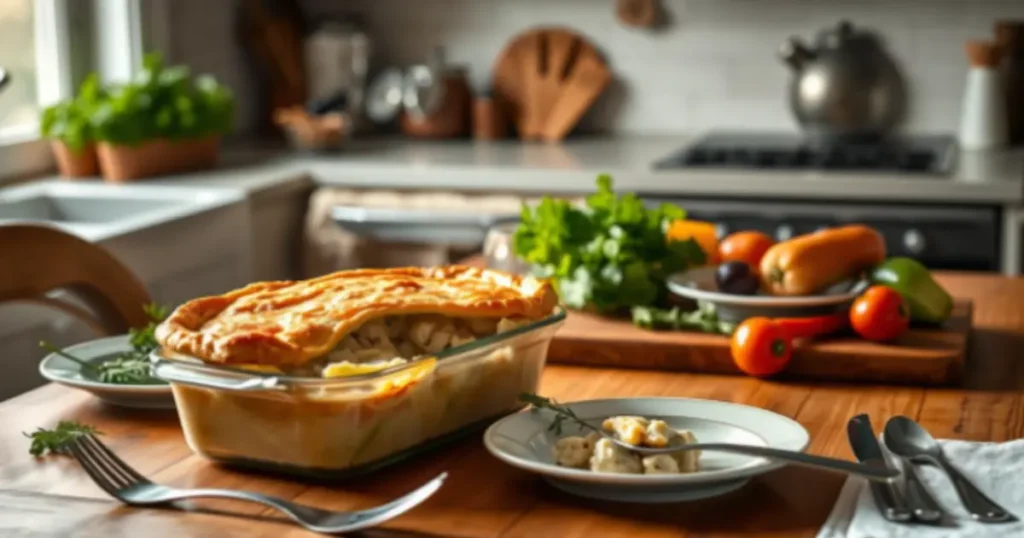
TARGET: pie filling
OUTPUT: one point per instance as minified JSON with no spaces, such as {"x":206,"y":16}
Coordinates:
{"x":394,"y":340}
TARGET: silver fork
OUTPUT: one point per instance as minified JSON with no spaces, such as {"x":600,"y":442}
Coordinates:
{"x":125,"y":484}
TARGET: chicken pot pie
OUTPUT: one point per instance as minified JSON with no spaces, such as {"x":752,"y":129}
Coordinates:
{"x":358,"y":348}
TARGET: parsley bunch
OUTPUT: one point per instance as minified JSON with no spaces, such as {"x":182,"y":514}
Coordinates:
{"x":607,"y":256}
{"x":57,"y":440}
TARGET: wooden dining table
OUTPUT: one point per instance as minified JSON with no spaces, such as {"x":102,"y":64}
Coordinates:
{"x":485,"y":498}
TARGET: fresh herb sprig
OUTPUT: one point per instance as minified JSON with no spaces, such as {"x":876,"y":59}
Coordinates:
{"x":562,"y":413}
{"x":608,"y":255}
{"x":704,"y":319}
{"x":130,"y":367}
{"x":57,"y":440}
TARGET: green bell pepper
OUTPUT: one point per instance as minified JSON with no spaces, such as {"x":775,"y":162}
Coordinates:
{"x":927,"y":300}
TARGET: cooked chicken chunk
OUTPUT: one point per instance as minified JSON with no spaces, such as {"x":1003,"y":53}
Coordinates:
{"x":632,"y":430}
{"x":660,"y":464}
{"x":687,"y":460}
{"x":609,"y":457}
{"x":658,"y":434}
{"x":574,"y":451}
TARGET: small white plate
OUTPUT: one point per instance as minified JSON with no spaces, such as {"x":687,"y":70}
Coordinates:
{"x":524,"y":440}
{"x":66,"y":372}
{"x":700,"y":285}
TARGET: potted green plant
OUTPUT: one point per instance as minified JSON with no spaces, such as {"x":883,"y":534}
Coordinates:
{"x":161,"y":122}
{"x":67,"y":125}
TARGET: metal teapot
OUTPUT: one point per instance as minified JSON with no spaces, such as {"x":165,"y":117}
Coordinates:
{"x":847,"y":88}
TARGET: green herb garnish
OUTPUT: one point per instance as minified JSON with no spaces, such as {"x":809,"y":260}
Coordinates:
{"x":57,"y":440}
{"x":704,"y":319}
{"x":607,"y":256}
{"x":562,"y":413}
{"x":128,"y":368}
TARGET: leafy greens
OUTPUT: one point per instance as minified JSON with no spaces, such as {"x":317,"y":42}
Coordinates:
{"x":129,"y":367}
{"x":70,"y":120}
{"x":163,"y":102}
{"x":57,"y":440}
{"x":610,"y":254}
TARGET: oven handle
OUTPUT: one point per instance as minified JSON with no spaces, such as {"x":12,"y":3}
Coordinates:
{"x":344,"y":214}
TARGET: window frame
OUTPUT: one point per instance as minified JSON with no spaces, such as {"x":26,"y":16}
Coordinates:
{"x":72,"y":37}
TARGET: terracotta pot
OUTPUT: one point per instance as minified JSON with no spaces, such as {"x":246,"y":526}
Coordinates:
{"x":72,"y":164}
{"x":156,"y":157}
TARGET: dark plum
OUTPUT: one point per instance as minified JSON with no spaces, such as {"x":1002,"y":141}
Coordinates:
{"x":736,"y":278}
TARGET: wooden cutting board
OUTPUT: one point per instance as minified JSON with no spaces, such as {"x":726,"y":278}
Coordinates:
{"x":922,"y":356}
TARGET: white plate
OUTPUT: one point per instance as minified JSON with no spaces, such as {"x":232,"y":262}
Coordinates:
{"x":66,"y":372}
{"x":699,"y":284}
{"x":524,"y":440}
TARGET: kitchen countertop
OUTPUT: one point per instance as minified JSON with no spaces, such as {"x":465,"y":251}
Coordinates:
{"x":570,"y":168}
{"x":980,"y":178}
{"x":485,"y":498}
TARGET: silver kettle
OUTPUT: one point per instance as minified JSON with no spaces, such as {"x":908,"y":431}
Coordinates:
{"x":847,"y":88}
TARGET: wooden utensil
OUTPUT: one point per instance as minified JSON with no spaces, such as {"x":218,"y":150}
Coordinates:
{"x":588,"y":81}
{"x":535,"y":71}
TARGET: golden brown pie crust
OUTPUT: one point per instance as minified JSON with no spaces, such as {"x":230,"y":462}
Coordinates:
{"x":289,"y":323}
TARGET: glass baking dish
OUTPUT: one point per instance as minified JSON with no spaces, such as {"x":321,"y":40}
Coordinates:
{"x":339,"y":427}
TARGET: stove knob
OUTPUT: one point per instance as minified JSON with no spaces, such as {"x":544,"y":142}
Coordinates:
{"x":784,"y":232}
{"x":721,"y":230}
{"x":914,"y":241}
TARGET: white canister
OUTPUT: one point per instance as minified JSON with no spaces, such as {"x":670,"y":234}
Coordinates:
{"x":983,"y":122}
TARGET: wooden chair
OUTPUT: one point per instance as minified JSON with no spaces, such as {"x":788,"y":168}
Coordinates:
{"x":37,"y":259}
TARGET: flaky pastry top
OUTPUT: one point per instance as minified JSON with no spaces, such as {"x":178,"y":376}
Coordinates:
{"x":288,"y":323}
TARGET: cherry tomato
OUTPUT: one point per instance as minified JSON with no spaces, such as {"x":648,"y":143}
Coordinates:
{"x":761,"y":347}
{"x":748,"y":247}
{"x":880,"y":314}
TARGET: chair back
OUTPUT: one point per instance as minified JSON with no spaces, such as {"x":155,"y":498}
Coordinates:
{"x":38,"y":259}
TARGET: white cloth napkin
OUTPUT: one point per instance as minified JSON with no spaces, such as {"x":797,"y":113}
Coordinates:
{"x":996,"y":468}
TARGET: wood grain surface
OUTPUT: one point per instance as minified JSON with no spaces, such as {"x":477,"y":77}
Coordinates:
{"x":484,"y":498}
{"x":924,"y":356}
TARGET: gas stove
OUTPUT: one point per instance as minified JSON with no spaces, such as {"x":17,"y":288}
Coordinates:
{"x":924,"y":155}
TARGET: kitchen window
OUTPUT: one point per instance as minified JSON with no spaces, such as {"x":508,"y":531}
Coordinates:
{"x":47,"y":47}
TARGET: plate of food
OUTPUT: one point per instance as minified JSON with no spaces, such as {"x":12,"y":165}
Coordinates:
{"x":115,"y":369}
{"x":110,"y":368}
{"x":811,"y":275}
{"x":549,"y":440}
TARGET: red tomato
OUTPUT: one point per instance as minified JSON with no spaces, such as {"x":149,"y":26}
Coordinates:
{"x":880,"y":314}
{"x":760,"y":347}
{"x":748,"y":247}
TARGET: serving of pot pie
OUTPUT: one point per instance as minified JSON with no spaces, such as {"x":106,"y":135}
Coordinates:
{"x":368,"y":341}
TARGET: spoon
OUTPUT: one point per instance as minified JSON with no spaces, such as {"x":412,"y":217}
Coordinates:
{"x":909,"y":439}
{"x":870,"y":472}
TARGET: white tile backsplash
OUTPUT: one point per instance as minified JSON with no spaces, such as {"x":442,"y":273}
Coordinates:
{"x":713,"y":66}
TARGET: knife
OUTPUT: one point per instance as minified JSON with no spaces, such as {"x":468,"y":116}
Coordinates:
{"x":866,"y":449}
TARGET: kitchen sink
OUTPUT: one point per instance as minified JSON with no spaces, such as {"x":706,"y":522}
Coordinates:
{"x":47,"y":207}
{"x":97,"y":211}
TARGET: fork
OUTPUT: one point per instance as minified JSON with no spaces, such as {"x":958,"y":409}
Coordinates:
{"x":125,"y":484}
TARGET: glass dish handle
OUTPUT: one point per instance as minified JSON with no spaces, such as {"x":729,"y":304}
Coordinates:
{"x":172,"y":373}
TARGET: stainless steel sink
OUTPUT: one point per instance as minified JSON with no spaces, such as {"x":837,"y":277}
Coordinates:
{"x":47,"y":207}
{"x":98,"y":211}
